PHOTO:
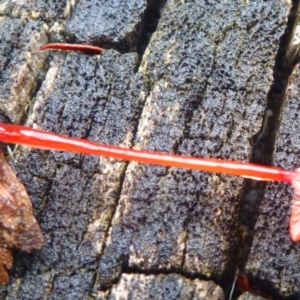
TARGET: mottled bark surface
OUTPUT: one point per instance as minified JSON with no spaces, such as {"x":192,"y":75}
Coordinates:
{"x":202,"y":87}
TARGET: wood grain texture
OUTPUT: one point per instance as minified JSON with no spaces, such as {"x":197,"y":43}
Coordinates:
{"x":200,"y":88}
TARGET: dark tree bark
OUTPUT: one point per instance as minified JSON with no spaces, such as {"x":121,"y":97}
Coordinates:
{"x":211,"y":80}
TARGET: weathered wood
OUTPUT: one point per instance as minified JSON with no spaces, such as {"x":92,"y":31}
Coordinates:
{"x":161,"y":286}
{"x":249,"y":296}
{"x":116,"y":25}
{"x":200,"y":88}
{"x":274,"y":259}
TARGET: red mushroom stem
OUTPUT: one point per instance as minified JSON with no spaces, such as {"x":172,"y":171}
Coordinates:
{"x":25,"y":136}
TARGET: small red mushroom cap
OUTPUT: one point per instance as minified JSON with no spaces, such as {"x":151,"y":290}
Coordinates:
{"x":295,"y":209}
{"x":295,"y":224}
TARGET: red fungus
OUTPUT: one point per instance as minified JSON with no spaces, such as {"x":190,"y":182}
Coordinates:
{"x":295,"y":215}
{"x":73,"y":47}
{"x":15,"y":134}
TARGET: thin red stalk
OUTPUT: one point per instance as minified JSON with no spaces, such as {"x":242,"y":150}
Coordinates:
{"x":39,"y":139}
{"x":45,"y":140}
{"x":73,"y":47}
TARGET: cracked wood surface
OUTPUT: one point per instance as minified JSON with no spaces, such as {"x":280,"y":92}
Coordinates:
{"x":115,"y":230}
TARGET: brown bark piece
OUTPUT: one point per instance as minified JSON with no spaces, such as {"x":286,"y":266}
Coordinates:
{"x":6,"y":263}
{"x":18,"y":227}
